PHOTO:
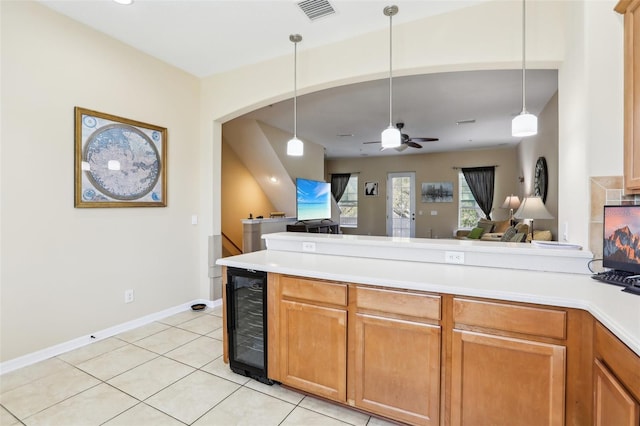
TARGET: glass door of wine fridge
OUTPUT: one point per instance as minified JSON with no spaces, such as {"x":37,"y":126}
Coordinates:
{"x":247,"y":322}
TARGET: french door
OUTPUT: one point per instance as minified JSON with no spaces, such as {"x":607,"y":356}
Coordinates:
{"x":401,"y":204}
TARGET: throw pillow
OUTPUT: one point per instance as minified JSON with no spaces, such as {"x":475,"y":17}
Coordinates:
{"x":486,"y":225}
{"x":519,"y":237}
{"x":475,"y":233}
{"x":508,"y":234}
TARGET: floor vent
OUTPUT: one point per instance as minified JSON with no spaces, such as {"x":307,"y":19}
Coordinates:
{"x":315,"y":9}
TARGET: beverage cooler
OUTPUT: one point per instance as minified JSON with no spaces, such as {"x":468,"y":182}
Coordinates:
{"x":247,"y":322}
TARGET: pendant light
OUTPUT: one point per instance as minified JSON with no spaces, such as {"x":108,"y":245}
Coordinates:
{"x":390,"y":137}
{"x":295,"y":147}
{"x":524,"y":124}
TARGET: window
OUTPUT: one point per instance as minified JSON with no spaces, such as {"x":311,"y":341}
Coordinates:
{"x":349,"y":204}
{"x":468,"y":210}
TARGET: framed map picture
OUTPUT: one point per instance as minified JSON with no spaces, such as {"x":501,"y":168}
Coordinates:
{"x":118,"y":162}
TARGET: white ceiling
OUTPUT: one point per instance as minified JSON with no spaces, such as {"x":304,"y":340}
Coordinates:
{"x":211,"y":36}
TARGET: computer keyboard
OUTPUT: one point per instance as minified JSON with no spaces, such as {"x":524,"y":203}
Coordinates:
{"x":621,"y":278}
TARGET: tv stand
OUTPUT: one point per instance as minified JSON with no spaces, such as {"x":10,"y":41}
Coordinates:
{"x":324,"y":226}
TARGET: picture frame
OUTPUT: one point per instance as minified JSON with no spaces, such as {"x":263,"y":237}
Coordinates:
{"x":371,"y":189}
{"x":437,"y":192}
{"x":118,"y":162}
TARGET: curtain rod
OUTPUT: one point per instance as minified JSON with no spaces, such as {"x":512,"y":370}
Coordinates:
{"x":458,"y":168}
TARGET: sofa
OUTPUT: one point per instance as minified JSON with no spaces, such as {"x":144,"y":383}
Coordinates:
{"x":491,"y":230}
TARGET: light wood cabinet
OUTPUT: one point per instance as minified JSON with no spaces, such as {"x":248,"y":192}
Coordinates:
{"x":631,"y":11}
{"x":312,"y":337}
{"x":499,"y":379}
{"x":395,"y":366}
{"x":613,"y":405}
{"x":616,"y":383}
{"x":428,"y":359}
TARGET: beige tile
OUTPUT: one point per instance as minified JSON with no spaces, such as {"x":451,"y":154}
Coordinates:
{"x":91,"y":407}
{"x":92,"y":350}
{"x":217,"y":311}
{"x":142,"y":414}
{"x":117,"y":362}
{"x":598,"y":197}
{"x":217,"y":334}
{"x":335,"y":411}
{"x":27,"y":374}
{"x":276,"y":391}
{"x":608,"y":182}
{"x":303,"y":417}
{"x":202,"y":325}
{"x":167,"y":340}
{"x":247,"y":407}
{"x":191,"y":397}
{"x":151,"y":377}
{"x":8,"y":419}
{"x":220,"y":369}
{"x":198,"y":352}
{"x":142,"y":332}
{"x":181,"y":317}
{"x":374,"y":421}
{"x":39,"y":394}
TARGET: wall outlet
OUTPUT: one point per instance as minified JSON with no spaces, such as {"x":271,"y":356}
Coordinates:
{"x":454,"y":257}
{"x":128,"y":296}
{"x":308,"y":246}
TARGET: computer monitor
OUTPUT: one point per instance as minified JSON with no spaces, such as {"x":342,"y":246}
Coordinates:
{"x":621,"y":243}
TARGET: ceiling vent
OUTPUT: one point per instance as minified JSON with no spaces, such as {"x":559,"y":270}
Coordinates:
{"x":316,"y":9}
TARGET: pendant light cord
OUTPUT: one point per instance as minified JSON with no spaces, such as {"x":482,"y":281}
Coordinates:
{"x":524,"y":30}
{"x":390,"y":69}
{"x":295,"y":89}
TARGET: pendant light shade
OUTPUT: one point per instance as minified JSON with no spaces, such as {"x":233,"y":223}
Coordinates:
{"x":391,"y":137}
{"x":295,"y":147}
{"x":524,"y":124}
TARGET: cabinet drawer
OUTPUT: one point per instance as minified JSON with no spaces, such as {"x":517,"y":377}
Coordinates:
{"x":514,"y":318}
{"x":398,"y":302}
{"x":314,"y":291}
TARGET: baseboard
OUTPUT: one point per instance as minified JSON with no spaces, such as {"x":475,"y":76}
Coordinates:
{"x":52,"y":351}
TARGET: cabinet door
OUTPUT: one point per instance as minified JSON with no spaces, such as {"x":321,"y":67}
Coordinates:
{"x":631,"y":10}
{"x":313,"y":349}
{"x":613,"y":405}
{"x":397,"y":369}
{"x":505,"y":381}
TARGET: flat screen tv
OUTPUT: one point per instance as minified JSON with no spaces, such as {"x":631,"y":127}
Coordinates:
{"x":313,"y":199}
{"x":621,"y":245}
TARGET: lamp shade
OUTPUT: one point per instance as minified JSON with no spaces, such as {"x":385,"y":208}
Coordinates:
{"x":532,"y":208}
{"x":511,"y":202}
{"x":295,"y":147}
{"x":524,"y":124}
{"x":391,"y":137}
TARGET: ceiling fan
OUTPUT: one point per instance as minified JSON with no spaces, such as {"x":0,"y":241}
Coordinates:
{"x":407,"y":140}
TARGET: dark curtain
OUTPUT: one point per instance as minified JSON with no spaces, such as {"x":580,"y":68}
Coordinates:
{"x":339,"y":184}
{"x":480,"y":181}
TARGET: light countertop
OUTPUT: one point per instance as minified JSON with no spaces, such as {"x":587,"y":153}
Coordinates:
{"x":618,"y":311}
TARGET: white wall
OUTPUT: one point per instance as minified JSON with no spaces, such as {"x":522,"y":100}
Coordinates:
{"x":64,"y":270}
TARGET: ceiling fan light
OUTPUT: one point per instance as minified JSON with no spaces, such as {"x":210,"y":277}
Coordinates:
{"x":391,"y":137}
{"x":524,"y":124}
{"x":295,"y":147}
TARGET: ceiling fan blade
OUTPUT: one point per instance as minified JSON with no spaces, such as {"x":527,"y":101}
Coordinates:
{"x":401,"y":147}
{"x":413,"y":144}
{"x":370,"y":142}
{"x":424,"y":139}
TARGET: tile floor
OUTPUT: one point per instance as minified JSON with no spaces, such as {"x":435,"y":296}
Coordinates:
{"x":169,"y":372}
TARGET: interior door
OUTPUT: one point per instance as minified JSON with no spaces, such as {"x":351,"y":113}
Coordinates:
{"x":401,"y":204}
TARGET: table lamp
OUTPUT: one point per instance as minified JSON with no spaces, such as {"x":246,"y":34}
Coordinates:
{"x":533,"y":208}
{"x":512,"y":202}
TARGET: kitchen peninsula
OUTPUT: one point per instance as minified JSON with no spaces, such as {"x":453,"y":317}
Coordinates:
{"x":423,"y":342}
